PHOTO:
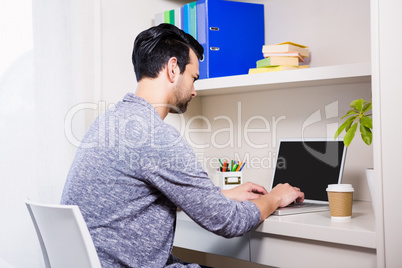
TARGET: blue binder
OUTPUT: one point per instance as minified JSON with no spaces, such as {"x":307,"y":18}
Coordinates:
{"x":232,"y":34}
{"x":190,"y":19}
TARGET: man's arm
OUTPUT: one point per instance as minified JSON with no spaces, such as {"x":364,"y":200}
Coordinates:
{"x":244,"y":192}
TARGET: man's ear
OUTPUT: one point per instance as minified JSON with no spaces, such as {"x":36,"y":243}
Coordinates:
{"x":172,"y":69}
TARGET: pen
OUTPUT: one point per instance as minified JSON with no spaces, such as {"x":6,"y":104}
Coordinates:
{"x":231,"y":165}
{"x":242,"y":166}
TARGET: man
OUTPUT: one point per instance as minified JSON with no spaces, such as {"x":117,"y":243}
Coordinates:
{"x":133,"y":170}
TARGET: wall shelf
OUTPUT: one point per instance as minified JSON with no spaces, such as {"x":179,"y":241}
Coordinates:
{"x":318,"y":76}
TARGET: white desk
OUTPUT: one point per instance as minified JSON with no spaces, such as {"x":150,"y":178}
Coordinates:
{"x":305,"y":240}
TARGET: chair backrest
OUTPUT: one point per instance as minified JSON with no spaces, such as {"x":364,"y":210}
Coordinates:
{"x":63,"y":236}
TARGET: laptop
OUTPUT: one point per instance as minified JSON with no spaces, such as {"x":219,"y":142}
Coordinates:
{"x":309,"y":164}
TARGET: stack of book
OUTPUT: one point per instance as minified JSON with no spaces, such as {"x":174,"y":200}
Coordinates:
{"x":281,"y":57}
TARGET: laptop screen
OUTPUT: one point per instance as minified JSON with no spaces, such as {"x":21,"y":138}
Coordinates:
{"x":310,"y":165}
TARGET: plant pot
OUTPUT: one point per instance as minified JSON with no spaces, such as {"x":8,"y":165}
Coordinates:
{"x":371,"y":186}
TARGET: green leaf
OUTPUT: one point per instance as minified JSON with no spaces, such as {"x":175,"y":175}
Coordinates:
{"x":367,"y":122}
{"x":345,"y":124}
{"x":350,"y":122}
{"x":366,"y":134}
{"x":357,"y":104}
{"x":350,"y":134}
{"x":350,"y":112}
{"x":367,"y":107}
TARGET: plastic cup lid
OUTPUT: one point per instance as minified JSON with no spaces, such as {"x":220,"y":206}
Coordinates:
{"x":340,"y":188}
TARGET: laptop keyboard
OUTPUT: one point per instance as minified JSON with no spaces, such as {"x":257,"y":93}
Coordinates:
{"x":295,"y":208}
{"x":303,"y":205}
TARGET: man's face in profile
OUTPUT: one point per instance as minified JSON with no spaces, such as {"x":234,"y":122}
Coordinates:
{"x":184,"y":90}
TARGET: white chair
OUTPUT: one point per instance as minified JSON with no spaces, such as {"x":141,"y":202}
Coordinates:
{"x":63,"y":236}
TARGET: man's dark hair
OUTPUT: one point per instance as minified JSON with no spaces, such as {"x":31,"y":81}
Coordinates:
{"x":154,"y":47}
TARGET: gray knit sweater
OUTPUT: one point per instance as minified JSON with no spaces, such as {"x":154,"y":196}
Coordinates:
{"x":128,"y":177}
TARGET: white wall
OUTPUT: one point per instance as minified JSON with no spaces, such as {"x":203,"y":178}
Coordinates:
{"x":337,"y":32}
{"x":38,"y":88}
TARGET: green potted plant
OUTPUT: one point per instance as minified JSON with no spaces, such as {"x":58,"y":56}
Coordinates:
{"x":356,"y":116}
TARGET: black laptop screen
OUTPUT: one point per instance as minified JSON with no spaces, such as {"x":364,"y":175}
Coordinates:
{"x":310,"y":165}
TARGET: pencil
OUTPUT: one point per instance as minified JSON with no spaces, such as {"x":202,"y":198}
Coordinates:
{"x":235,"y":167}
{"x":220,"y":161}
{"x":238,"y":167}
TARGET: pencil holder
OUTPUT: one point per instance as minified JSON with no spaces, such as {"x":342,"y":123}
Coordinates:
{"x":228,"y":180}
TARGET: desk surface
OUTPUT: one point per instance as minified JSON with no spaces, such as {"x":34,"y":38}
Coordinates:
{"x":360,"y":231}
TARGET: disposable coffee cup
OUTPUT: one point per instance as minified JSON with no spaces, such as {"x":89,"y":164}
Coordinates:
{"x":340,"y":197}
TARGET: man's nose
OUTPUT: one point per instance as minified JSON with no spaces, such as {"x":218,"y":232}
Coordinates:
{"x":193,"y":92}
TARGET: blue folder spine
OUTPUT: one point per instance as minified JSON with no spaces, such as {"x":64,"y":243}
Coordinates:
{"x":202,"y":30}
{"x":190,"y":17}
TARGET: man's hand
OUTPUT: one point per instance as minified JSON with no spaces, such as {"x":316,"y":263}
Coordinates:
{"x":287,"y":194}
{"x":244,"y":192}
{"x":280,"y":196}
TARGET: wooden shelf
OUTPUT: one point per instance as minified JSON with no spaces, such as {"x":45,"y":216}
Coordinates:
{"x":319,"y":76}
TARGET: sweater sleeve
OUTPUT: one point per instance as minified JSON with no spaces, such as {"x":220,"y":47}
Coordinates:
{"x":171,"y":166}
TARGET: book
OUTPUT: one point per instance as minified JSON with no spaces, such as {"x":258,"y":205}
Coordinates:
{"x":275,"y":69}
{"x":284,"y":54}
{"x":170,"y":16}
{"x":291,"y":43}
{"x":177,"y":17}
{"x":278,"y":60}
{"x":287,"y":47}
